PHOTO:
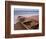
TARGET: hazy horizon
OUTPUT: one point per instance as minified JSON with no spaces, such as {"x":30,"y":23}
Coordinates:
{"x":24,"y":12}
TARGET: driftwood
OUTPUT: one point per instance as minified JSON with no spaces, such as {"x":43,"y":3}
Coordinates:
{"x":26,"y":23}
{"x":25,"y":26}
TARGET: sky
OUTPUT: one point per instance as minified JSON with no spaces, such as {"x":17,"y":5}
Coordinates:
{"x":23,"y":11}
